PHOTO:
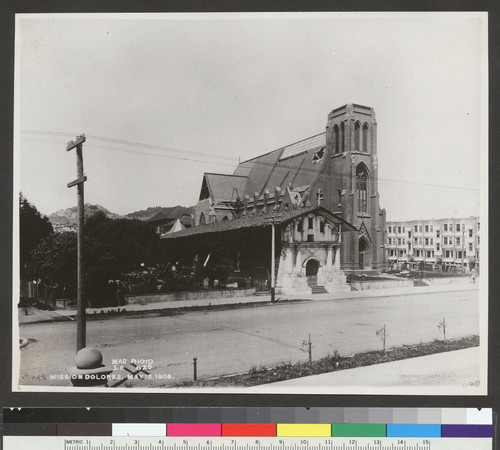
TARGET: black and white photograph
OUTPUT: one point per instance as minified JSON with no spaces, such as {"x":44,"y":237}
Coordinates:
{"x":291,"y":203}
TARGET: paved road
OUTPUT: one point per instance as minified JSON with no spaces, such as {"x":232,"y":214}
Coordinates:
{"x":236,"y":340}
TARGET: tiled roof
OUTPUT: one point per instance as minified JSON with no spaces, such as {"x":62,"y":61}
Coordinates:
{"x":255,"y":221}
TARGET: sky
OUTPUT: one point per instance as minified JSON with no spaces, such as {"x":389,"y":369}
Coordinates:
{"x":163,"y":98}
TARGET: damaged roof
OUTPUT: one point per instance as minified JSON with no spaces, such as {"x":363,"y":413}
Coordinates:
{"x":296,"y":164}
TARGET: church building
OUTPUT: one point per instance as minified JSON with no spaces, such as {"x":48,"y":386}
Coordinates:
{"x":320,"y":193}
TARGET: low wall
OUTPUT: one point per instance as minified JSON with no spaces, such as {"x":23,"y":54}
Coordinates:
{"x":448,"y":280}
{"x":381,"y":284}
{"x":189,"y":295}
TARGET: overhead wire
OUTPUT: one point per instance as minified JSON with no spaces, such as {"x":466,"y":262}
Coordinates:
{"x":251,"y":164}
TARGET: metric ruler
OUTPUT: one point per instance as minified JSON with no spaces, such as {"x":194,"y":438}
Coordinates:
{"x":241,"y":443}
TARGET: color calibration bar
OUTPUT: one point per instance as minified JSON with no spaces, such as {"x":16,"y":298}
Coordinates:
{"x":270,"y":430}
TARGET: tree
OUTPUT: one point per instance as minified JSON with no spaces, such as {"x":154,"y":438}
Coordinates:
{"x":54,"y":262}
{"x":131,"y":242}
{"x":33,"y":227}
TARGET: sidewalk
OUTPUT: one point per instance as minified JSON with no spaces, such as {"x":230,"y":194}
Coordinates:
{"x":441,"y":372}
{"x":37,"y":316}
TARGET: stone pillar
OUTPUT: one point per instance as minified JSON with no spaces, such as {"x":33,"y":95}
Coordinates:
{"x":246,"y":199}
{"x":255,"y":200}
{"x":266,"y":200}
{"x":298,"y":263}
{"x":336,"y":265}
{"x":289,"y":260}
{"x":277,"y":193}
{"x":329,"y":259}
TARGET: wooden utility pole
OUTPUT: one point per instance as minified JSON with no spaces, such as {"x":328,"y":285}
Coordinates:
{"x":81,"y":178}
{"x":273,"y":220}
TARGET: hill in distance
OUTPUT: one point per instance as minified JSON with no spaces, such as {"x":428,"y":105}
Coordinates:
{"x":69,"y":216}
{"x":173,"y":212}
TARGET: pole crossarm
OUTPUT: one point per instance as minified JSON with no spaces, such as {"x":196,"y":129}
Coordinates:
{"x":72,"y":144}
{"x":77,"y":181}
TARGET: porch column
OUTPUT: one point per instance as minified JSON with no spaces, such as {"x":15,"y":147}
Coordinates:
{"x":289,"y":259}
{"x":329,"y":259}
{"x":336,"y":266}
{"x":298,"y":263}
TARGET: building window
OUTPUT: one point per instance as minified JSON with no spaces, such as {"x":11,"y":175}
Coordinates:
{"x":357,"y":136}
{"x":431,"y":228}
{"x":458,"y":241}
{"x":399,"y":229}
{"x":322,"y":227}
{"x":437,"y":247}
{"x":470,"y":247}
{"x":336,"y":138}
{"x":310,"y":223}
{"x":342,"y":138}
{"x":365,"y":137}
{"x":445,"y":227}
{"x":478,"y":226}
{"x":416,"y":228}
{"x":457,"y":227}
{"x":426,"y":241}
{"x":390,"y":229}
{"x":427,"y":228}
{"x":470,"y":233}
{"x":362,"y":188}
{"x":299,"y":226}
{"x":437,"y":233}
{"x":203,"y":219}
{"x":310,"y":238}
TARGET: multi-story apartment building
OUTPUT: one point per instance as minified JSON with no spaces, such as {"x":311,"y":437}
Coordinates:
{"x":444,"y":244}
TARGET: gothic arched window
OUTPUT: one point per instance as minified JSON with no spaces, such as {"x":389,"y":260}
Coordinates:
{"x":365,"y":137}
{"x":357,"y":137}
{"x":342,"y":136}
{"x":336,"y":142}
{"x":362,"y":188}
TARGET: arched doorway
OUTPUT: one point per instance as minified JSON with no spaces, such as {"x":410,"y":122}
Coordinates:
{"x":312,"y":267}
{"x":364,"y":253}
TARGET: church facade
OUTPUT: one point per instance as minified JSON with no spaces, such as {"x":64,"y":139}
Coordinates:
{"x":327,"y":187}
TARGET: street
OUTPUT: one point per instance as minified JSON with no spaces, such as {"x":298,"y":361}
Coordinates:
{"x":236,"y":340}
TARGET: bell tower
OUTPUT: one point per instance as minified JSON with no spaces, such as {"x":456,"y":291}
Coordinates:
{"x":352,"y":190}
